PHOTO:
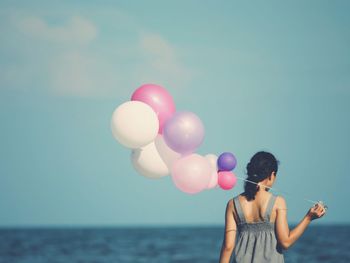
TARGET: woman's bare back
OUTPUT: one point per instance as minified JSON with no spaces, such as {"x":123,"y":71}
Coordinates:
{"x":255,"y":210}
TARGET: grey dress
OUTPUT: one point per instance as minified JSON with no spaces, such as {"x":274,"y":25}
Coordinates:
{"x":256,"y":242}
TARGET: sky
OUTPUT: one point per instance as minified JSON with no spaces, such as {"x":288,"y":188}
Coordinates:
{"x":267,"y":75}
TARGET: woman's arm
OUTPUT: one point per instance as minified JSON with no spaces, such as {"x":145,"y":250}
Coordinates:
{"x":228,"y":243}
{"x":285,"y":237}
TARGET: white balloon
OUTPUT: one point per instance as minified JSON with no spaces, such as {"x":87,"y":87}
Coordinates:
{"x":166,"y":153}
{"x":148,"y":162}
{"x":134,"y":124}
{"x":213,"y":160}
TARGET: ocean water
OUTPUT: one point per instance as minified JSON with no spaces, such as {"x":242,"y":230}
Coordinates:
{"x":154,"y":244}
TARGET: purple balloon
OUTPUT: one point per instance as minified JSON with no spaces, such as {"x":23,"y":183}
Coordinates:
{"x":183,"y":132}
{"x":227,"y":161}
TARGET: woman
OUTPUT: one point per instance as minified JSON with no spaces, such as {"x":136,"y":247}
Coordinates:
{"x":259,"y":218}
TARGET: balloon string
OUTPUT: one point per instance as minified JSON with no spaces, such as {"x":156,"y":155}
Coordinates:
{"x":274,"y":189}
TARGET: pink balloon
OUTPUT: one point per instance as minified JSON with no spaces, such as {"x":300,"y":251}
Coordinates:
{"x":159,"y":99}
{"x":191,"y":174}
{"x":226,"y":180}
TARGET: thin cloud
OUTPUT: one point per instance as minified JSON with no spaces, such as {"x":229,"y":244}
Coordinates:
{"x":161,"y":62}
{"x":71,"y":57}
{"x":76,"y":30}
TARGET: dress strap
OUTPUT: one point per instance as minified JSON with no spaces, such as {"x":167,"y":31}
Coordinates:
{"x":239,"y":210}
{"x":269,"y":207}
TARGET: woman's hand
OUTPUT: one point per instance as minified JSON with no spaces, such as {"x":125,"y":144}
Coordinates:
{"x":287,"y":238}
{"x":315,"y":212}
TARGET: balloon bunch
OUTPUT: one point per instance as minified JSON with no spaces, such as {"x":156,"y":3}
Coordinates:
{"x":163,"y":142}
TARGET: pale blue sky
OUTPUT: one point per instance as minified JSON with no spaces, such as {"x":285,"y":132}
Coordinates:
{"x":267,"y":75}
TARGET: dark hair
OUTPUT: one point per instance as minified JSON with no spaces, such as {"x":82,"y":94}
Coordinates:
{"x":260,"y":167}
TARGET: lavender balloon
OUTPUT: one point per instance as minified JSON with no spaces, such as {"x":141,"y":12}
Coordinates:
{"x":183,"y":132}
{"x":227,"y":161}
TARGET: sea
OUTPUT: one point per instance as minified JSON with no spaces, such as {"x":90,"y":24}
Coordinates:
{"x":320,"y":243}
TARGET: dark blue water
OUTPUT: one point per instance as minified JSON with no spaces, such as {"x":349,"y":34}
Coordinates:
{"x":158,"y":244}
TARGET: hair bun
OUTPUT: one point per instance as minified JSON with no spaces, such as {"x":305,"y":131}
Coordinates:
{"x":261,"y":165}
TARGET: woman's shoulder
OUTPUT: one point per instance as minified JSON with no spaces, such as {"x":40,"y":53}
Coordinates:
{"x":279,"y":198}
{"x":237,"y":196}
{"x":280,"y":202}
{"x":231,"y":200}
